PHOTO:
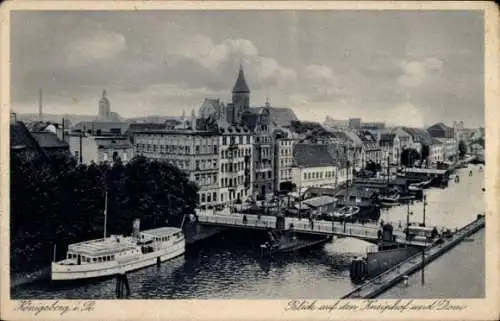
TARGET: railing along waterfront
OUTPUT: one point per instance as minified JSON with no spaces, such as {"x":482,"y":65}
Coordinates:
{"x":389,"y":278}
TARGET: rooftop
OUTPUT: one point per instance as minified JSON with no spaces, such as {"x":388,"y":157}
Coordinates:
{"x":109,"y":245}
{"x":312,"y":155}
{"x":21,"y":137}
{"x":240,"y":86}
{"x":161,"y":231}
{"x":49,"y":140}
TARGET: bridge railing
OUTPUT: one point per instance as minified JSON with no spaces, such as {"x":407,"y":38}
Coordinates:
{"x":238,"y":220}
{"x":329,"y":227}
{"x":364,"y":231}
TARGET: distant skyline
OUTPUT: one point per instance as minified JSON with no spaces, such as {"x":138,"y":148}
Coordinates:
{"x":412,"y":68}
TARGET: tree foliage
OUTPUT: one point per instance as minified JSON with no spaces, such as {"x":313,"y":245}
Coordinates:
{"x":409,"y":156}
{"x":424,"y":153}
{"x":462,"y":149}
{"x":288,"y":187}
{"x":56,"y":201}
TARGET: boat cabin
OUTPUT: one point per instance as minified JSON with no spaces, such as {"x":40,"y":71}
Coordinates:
{"x":101,"y":250}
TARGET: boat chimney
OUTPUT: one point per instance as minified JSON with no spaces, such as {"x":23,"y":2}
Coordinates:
{"x":136,"y":227}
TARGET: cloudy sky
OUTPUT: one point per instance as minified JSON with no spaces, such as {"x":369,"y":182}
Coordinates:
{"x":412,"y":68}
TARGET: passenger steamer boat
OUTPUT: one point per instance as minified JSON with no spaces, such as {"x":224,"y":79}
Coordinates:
{"x":118,"y":254}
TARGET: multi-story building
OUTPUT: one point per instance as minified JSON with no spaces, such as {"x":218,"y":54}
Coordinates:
{"x":284,"y":142}
{"x":258,"y":122}
{"x":391,"y":149}
{"x":450,"y":148}
{"x":235,"y":164}
{"x":196,"y":152}
{"x":371,"y":149}
{"x":440,"y":130}
{"x":436,"y":151}
{"x":87,"y":148}
{"x":314,"y":166}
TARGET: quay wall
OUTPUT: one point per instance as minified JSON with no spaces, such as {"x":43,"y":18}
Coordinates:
{"x":379,"y":262}
{"x":393,"y":276}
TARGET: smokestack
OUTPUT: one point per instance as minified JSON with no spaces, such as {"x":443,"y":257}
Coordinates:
{"x":136,"y":227}
{"x":40,"y":105}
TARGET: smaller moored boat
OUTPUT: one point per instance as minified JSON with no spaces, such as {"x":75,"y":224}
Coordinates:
{"x":390,"y":198}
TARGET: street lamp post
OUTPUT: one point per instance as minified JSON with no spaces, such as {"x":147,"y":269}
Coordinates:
{"x":425,"y":204}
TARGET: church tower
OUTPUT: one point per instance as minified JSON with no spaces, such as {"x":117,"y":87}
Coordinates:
{"x":241,"y":96}
{"x":104,"y":106}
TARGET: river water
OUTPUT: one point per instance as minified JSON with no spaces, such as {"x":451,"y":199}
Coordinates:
{"x":223,"y":270}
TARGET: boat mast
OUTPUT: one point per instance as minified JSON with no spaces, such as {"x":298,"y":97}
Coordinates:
{"x":105,"y":213}
{"x":388,"y":169}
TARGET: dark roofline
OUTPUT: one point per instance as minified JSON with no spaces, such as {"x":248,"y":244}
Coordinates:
{"x":179,"y":132}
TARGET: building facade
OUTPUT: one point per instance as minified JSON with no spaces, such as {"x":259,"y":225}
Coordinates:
{"x":196,"y":152}
{"x":235,"y":164}
{"x":391,"y":149}
{"x":88,"y":148}
{"x":436,"y":151}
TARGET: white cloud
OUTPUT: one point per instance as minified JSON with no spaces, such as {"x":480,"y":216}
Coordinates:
{"x":317,"y":72}
{"x":415,"y":73}
{"x":99,"y":46}
{"x":406,"y":114}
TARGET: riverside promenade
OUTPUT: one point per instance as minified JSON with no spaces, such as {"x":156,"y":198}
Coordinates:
{"x":381,"y":283}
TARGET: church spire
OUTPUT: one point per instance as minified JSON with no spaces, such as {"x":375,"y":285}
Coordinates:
{"x":240,"y":86}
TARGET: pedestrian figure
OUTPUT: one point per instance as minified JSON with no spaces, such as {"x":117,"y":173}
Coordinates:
{"x":480,"y":168}
{"x":470,"y":173}
{"x":245,"y":219}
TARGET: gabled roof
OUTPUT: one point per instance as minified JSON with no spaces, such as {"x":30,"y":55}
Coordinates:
{"x":49,"y":140}
{"x":312,"y":155}
{"x":419,"y":135}
{"x":20,"y":137}
{"x":441,"y":126}
{"x":250,"y":120}
{"x":279,"y":116}
{"x":240,"y":86}
{"x":436,"y":141}
{"x":387,"y":139}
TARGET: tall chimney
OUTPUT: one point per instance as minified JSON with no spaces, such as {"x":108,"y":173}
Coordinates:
{"x":40,"y":105}
{"x":136,"y":228}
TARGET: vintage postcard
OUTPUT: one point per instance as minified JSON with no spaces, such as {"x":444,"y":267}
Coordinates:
{"x":233,"y":160}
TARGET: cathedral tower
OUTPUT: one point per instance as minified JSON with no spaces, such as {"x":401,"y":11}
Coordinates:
{"x":104,"y":106}
{"x":241,"y":97}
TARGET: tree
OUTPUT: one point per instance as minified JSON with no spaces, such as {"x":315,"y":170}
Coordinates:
{"x":424,"y":153}
{"x":462,"y":149}
{"x":286,"y":188}
{"x":56,"y":201}
{"x":409,"y":156}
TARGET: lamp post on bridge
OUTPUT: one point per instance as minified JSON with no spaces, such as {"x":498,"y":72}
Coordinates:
{"x":425,"y":204}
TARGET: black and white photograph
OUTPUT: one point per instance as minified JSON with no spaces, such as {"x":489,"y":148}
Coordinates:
{"x":265,"y":154}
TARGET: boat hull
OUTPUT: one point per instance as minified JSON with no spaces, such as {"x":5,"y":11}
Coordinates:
{"x":61,"y":272}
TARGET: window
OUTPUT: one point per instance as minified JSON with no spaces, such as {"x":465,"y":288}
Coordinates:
{"x":203,"y":198}
{"x":215,"y":196}
{"x":209,"y":198}
{"x":305,"y":175}
{"x":197,"y":149}
{"x":197,"y":165}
